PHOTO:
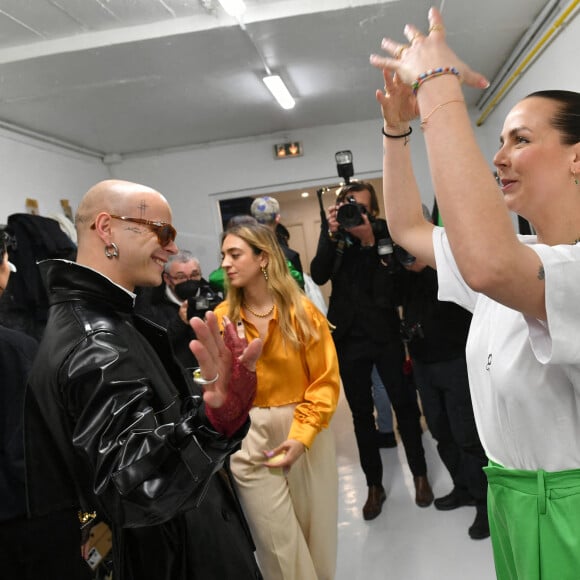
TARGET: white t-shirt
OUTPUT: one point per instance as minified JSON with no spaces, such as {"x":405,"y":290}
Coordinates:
{"x":524,"y":373}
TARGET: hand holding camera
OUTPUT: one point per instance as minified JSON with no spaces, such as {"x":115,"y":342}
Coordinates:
{"x":352,"y":217}
{"x":198,"y":297}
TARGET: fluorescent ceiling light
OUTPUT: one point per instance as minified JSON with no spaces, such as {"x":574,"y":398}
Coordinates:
{"x":235,"y":8}
{"x":278,"y":89}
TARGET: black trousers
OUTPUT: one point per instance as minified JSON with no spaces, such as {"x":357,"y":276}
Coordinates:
{"x":444,"y":389}
{"x":356,"y":357}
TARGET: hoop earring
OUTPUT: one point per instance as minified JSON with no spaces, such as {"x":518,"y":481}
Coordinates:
{"x":574,"y":175}
{"x":112,"y":251}
{"x":265,"y":272}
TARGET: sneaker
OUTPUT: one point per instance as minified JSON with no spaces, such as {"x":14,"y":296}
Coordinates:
{"x":456,"y":499}
{"x":480,"y":527}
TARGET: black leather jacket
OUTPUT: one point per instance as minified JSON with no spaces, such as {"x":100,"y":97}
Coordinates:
{"x":114,"y":424}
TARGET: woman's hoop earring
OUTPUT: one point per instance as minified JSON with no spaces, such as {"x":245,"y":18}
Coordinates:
{"x":112,"y":251}
{"x":265,"y":272}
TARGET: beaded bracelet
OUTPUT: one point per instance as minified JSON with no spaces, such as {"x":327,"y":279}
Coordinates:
{"x":432,"y":73}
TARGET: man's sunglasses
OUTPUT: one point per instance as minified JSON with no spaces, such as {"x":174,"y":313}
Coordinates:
{"x":165,"y":232}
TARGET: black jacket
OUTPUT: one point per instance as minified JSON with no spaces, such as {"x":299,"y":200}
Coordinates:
{"x":438,"y":330}
{"x":153,"y":303}
{"x":114,"y":424}
{"x":364,"y":291}
{"x":17,"y":352}
{"x":291,"y":255}
{"x":24,"y":304}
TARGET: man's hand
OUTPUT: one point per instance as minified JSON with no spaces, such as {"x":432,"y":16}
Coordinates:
{"x":333,"y":225}
{"x":233,"y":361}
{"x":364,"y":232}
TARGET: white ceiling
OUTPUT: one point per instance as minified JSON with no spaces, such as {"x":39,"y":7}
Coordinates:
{"x":127,"y":76}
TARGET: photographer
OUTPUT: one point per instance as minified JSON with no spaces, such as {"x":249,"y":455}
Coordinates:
{"x":182,"y":295}
{"x":436,"y":333}
{"x":365,"y":288}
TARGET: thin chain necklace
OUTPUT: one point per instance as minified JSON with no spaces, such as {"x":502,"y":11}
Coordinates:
{"x":245,"y":304}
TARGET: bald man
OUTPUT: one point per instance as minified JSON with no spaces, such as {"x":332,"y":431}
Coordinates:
{"x":113,"y":423}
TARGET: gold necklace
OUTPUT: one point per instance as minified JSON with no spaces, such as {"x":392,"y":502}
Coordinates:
{"x":245,"y":304}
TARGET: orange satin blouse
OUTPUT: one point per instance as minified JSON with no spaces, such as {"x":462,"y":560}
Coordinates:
{"x":307,"y":376}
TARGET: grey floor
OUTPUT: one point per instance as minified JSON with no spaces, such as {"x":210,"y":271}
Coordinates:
{"x":405,"y":542}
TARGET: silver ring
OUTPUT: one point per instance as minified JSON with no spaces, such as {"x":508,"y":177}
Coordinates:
{"x":197,"y":378}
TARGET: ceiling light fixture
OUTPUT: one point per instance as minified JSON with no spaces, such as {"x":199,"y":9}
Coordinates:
{"x":279,"y":91}
{"x":235,"y":8}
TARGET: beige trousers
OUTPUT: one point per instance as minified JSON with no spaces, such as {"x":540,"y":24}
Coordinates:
{"x":293,"y":518}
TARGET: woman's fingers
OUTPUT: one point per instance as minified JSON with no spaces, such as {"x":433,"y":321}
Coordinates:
{"x":474,"y":79}
{"x":436,"y":24}
{"x":251,"y":354}
{"x":413,"y":34}
{"x":422,"y":54}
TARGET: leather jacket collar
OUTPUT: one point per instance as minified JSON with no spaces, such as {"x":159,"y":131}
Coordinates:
{"x":66,"y":281}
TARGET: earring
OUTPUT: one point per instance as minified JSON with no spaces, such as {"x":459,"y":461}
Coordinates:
{"x":265,"y":272}
{"x":112,"y":251}
{"x":574,"y":176}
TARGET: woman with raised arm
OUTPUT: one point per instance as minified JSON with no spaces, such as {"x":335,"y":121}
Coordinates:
{"x":286,"y":470}
{"x":522,"y":352}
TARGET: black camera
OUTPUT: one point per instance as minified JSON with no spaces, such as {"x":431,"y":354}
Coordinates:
{"x":199,"y":295}
{"x":351,"y":213}
{"x":206,"y":299}
{"x":411,"y":331}
{"x":403,"y":257}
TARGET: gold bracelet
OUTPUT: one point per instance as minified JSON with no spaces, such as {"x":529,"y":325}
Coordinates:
{"x":426,"y":117}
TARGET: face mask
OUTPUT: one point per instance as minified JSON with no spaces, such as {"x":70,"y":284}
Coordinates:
{"x":186,"y":289}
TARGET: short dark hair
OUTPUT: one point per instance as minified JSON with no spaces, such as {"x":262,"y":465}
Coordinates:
{"x":567,"y":117}
{"x":239,"y":220}
{"x":349,"y":188}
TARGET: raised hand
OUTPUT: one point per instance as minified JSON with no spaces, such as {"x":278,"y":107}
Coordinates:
{"x":424,"y":53}
{"x":231,"y":361}
{"x":398,"y":102}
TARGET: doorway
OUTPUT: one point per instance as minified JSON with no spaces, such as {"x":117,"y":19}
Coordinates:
{"x":300,"y":213}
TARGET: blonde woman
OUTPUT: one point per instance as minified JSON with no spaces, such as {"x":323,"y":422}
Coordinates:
{"x":286,"y":469}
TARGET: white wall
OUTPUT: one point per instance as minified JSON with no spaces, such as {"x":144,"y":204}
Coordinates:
{"x":555,"y":68}
{"x":195,"y":180}
{"x":30,"y":168}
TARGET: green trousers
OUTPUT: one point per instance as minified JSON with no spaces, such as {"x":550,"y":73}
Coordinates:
{"x":534,"y":520}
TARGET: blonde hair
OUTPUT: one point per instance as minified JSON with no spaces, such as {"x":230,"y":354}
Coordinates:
{"x":297,"y":328}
